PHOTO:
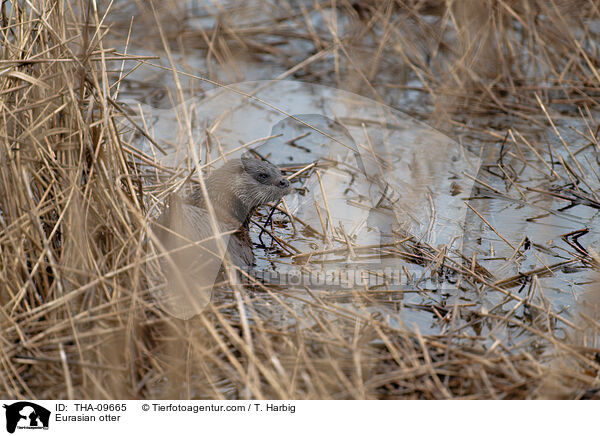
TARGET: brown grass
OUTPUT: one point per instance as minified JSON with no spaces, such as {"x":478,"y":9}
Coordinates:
{"x":76,"y":316}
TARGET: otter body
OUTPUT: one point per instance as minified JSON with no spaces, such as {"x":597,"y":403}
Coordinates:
{"x":234,"y":190}
{"x":187,"y":231}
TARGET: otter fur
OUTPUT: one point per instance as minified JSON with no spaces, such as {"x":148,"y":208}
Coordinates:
{"x":186,"y":230}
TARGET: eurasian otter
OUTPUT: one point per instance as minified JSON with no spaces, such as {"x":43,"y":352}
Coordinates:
{"x":235,"y":191}
{"x":186,"y":230}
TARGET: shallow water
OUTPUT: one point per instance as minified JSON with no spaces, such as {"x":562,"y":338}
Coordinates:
{"x":384,"y":177}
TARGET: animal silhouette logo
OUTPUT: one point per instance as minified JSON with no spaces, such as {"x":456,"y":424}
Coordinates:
{"x":26,"y":415}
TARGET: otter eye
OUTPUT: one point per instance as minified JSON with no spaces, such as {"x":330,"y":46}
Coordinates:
{"x":263,"y":177}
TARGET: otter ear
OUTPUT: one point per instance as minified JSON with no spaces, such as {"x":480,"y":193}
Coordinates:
{"x":246,"y":159}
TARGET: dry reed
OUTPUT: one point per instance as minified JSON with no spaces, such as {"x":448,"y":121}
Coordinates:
{"x":76,"y":316}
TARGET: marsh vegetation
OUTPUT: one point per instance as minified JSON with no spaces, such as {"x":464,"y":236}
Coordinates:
{"x":464,"y":132}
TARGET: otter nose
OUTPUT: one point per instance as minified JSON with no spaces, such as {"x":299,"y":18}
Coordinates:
{"x":283,"y":183}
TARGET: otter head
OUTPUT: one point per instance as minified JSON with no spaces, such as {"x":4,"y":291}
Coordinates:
{"x":263,"y":182}
{"x":240,"y":186}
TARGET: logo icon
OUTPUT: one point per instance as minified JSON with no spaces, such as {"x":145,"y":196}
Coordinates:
{"x":26,"y":415}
